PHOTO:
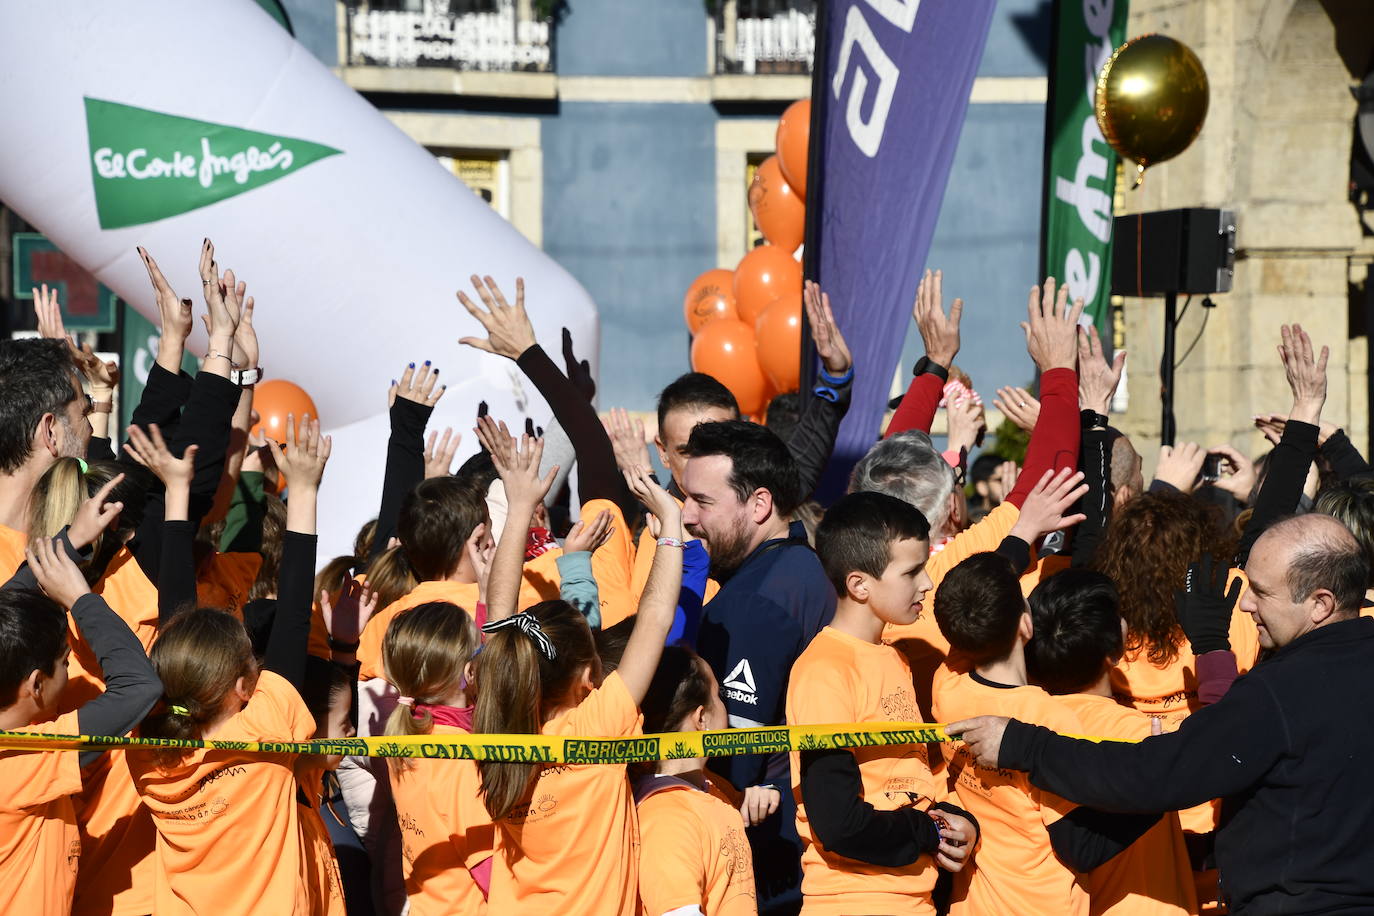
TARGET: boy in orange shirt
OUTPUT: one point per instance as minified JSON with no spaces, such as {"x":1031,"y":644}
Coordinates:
{"x":1034,"y":844}
{"x":1078,"y":638}
{"x":872,"y":838}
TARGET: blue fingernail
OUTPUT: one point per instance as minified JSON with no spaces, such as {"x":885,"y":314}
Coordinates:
{"x":393,"y":381}
{"x":412,"y":365}
{"x":426,"y":362}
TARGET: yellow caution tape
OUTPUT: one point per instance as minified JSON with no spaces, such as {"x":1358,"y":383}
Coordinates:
{"x":531,"y":748}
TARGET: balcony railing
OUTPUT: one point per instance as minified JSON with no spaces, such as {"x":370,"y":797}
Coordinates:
{"x":765,"y":36}
{"x":483,"y":35}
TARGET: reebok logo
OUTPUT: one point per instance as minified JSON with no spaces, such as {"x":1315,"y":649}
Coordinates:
{"x":739,"y":684}
{"x":147,"y":165}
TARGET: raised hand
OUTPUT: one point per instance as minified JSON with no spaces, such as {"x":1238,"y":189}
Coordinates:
{"x":517,"y":465}
{"x":657,"y":500}
{"x":246,"y":353}
{"x":345,"y":619}
{"x":1052,"y":327}
{"x":1179,"y":465}
{"x":509,"y":332}
{"x":174,"y":313}
{"x":103,"y":375}
{"x":149,"y":450}
{"x":1019,"y":406}
{"x":1097,"y":378}
{"x":966,"y":424}
{"x":420,"y":385}
{"x":587,"y":537}
{"x":1306,"y":373}
{"x":627,"y":439}
{"x":439,"y":453}
{"x":939,"y":332}
{"x":579,"y":370}
{"x":1239,"y":477}
{"x":58,"y":577}
{"x":1044,"y":509}
{"x":94,"y":515}
{"x":48,"y":313}
{"x":825,"y":333}
{"x":304,"y":456}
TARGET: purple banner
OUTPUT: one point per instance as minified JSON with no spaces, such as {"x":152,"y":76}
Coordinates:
{"x":887,"y":108}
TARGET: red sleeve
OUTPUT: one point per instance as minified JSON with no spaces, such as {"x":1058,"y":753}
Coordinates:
{"x":917,"y":410}
{"x":1054,"y":443}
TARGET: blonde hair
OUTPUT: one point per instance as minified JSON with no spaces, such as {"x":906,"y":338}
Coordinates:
{"x":62,"y":489}
{"x":390,"y":575}
{"x":424,"y":654}
{"x":56,"y":497}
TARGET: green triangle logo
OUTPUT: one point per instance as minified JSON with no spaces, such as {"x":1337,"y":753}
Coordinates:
{"x":147,"y":165}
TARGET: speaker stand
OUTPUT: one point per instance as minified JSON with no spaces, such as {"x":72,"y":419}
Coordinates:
{"x":1166,"y":371}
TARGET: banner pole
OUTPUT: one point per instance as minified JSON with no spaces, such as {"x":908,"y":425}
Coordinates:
{"x":815,"y":173}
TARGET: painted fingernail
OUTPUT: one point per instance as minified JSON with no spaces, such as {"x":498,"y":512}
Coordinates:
{"x":436,"y":371}
{"x":443,"y":387}
{"x":426,"y":362}
{"x":393,"y":381}
{"x":412,"y":365}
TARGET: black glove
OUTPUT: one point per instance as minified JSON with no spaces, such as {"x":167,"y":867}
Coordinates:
{"x":1205,"y":607}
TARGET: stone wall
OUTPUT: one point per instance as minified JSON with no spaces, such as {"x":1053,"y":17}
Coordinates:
{"x":1276,"y":149}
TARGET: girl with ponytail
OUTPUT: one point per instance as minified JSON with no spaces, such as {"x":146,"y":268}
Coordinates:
{"x":231,"y":838}
{"x":446,"y":834}
{"x":566,"y":835}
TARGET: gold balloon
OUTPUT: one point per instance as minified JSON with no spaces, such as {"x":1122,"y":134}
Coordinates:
{"x":1151,"y":100}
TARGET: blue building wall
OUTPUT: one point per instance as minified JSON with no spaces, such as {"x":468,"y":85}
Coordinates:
{"x":629,"y":210}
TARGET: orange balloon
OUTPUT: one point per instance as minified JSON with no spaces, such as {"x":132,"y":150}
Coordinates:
{"x":711,"y":296}
{"x":793,"y":140}
{"x":778,"y":210}
{"x":724,"y":350}
{"x":276,"y":398}
{"x":764,"y":274}
{"x":777,"y":340}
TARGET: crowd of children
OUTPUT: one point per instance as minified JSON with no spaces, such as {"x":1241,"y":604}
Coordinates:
{"x":159,"y":586}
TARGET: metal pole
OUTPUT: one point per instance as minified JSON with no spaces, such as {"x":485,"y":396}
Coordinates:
{"x":1166,"y":371}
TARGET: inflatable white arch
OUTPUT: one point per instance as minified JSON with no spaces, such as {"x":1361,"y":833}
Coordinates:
{"x":161,"y":122}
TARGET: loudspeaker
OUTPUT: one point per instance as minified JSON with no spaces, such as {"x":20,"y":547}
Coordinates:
{"x":1192,"y":250}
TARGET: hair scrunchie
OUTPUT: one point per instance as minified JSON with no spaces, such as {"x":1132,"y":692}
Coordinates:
{"x":527,"y":624}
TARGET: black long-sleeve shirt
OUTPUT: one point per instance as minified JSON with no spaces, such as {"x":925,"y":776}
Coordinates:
{"x":1095,"y":461}
{"x":1282,"y":488}
{"x":1345,"y":459}
{"x":405,"y":467}
{"x":813,"y":438}
{"x":131,"y":684}
{"x":1288,"y":749}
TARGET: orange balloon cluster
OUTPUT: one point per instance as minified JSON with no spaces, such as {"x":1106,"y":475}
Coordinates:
{"x":746,"y":323}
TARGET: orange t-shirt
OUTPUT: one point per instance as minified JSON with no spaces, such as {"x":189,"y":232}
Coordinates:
{"x":1152,"y":876}
{"x":463,"y":594}
{"x":225,"y":579}
{"x":445,"y":833}
{"x":12,"y":544}
{"x":117,"y":841}
{"x":613,"y":565}
{"x":134,"y":599}
{"x":693,"y":850}
{"x":840,"y":679}
{"x":319,"y":867}
{"x":573,"y":845}
{"x":1169,"y":692}
{"x":40,"y":847}
{"x":1015,"y":869}
{"x":229,"y":838}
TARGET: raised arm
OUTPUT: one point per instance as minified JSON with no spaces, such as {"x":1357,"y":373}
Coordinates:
{"x":247,"y":359}
{"x":576,"y":582}
{"x":1051,"y":328}
{"x":659,"y":600}
{"x":302,"y":463}
{"x":940,"y":335}
{"x":176,"y":583}
{"x":813,"y":439}
{"x":1293,"y":456}
{"x":519,"y":470}
{"x":510,"y":334}
{"x":1098,"y":379}
{"x":411,"y":401}
{"x":131,"y":684}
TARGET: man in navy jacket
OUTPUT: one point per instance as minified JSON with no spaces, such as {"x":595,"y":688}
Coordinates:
{"x":741,"y":486}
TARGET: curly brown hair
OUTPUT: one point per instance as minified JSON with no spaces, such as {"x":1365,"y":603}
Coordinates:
{"x":1149,"y":544}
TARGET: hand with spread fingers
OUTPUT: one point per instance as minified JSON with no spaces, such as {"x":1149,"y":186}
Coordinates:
{"x":418,"y":384}
{"x":1051,"y":327}
{"x":508,"y":327}
{"x":439,"y":453}
{"x":939,"y":331}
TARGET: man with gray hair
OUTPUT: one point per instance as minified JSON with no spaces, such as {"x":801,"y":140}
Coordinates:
{"x":1287,"y":749}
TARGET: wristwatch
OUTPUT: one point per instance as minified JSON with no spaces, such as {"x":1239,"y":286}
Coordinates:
{"x":926,"y":364}
{"x":245,"y":377}
{"x":1091,"y":419}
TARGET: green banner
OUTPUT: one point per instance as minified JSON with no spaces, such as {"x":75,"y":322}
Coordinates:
{"x":147,"y":165}
{"x":1080,"y":168}
{"x":137,"y":353}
